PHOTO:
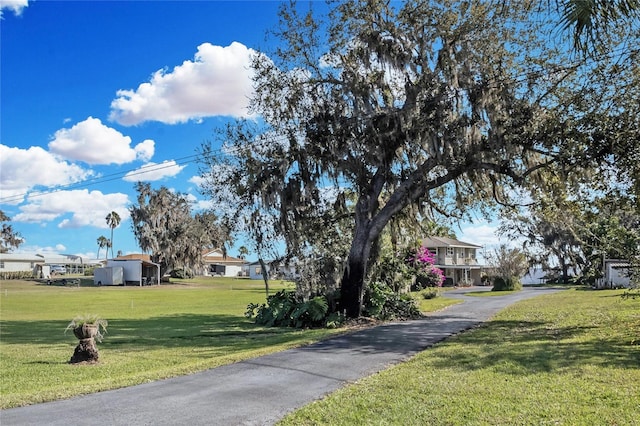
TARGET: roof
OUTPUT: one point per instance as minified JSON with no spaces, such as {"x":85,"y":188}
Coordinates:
{"x":434,"y":242}
{"x":27,"y":257}
{"x":142,"y":261}
{"x":48,"y":258}
{"x":135,"y":256}
{"x":216,"y":256}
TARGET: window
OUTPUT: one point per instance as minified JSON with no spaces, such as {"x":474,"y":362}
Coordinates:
{"x":449,"y":251}
{"x":1,"y":264}
{"x":258,"y":270}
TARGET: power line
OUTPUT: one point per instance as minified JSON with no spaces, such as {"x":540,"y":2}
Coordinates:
{"x":226,"y":149}
{"x":166,"y":164}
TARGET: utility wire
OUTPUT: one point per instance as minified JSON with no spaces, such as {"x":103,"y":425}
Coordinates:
{"x":106,"y":178}
{"x":226,"y":150}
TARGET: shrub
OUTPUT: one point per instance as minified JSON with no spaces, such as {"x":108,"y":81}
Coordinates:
{"x":181,"y":274}
{"x":432,"y":277}
{"x":16,"y":275}
{"x":286,"y":309}
{"x":506,"y":284}
{"x":426,"y":274}
{"x":382,"y":303}
{"x":393,"y":272}
{"x":430,"y":293}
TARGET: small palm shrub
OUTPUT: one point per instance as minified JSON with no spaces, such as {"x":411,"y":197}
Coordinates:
{"x":89,"y":319}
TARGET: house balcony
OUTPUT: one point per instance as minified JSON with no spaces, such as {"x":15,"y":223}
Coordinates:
{"x":458,"y":261}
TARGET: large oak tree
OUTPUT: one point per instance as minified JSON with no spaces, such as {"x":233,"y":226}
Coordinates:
{"x":444,"y":106}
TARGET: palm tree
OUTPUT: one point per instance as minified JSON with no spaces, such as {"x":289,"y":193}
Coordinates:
{"x":113,"y":220}
{"x":589,"y":19}
{"x":102,"y":243}
{"x":108,"y":245}
{"x":243,"y":252}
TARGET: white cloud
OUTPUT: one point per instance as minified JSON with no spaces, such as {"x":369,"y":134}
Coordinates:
{"x":86,"y":208}
{"x":486,"y":234}
{"x":94,"y":143}
{"x":201,"y":205}
{"x":151,"y":172}
{"x":481,"y":234}
{"x":25,"y":248}
{"x":23,"y":169}
{"x":217,"y":82}
{"x":197,"y":181}
{"x":14,"y":5}
{"x":145,"y":150}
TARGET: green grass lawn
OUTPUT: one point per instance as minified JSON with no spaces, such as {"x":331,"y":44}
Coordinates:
{"x":154,"y":332}
{"x":572,"y":358}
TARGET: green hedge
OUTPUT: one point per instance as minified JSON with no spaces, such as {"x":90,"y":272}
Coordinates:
{"x":16,"y":275}
{"x":506,"y":284}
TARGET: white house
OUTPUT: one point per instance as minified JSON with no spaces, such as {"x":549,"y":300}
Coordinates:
{"x":21,"y":262}
{"x":275,"y":270}
{"x":40,"y":265}
{"x":457,"y":259}
{"x":217,"y":264}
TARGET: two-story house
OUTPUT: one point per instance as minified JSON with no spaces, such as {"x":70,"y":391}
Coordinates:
{"x":456,"y":259}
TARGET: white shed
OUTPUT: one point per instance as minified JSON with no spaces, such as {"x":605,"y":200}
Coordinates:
{"x":137,"y":271}
{"x":617,"y":273}
{"x":112,"y":275}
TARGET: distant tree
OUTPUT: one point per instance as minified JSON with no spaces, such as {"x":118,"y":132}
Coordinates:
{"x":509,"y":265}
{"x":165,"y":227}
{"x":102,"y":243}
{"x":9,"y":239}
{"x":610,"y":229}
{"x":551,"y":232}
{"x":113,"y":220}
{"x":243,"y":252}
{"x":107,"y":246}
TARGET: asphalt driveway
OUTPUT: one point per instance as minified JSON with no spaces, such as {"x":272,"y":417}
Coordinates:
{"x":262,"y":390}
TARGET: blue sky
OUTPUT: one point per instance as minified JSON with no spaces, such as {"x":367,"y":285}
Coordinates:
{"x":97,"y":95}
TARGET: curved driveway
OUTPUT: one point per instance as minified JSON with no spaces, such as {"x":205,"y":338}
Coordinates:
{"x":262,"y":390}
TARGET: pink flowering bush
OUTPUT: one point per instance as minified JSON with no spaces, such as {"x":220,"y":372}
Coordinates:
{"x":427,"y":275}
